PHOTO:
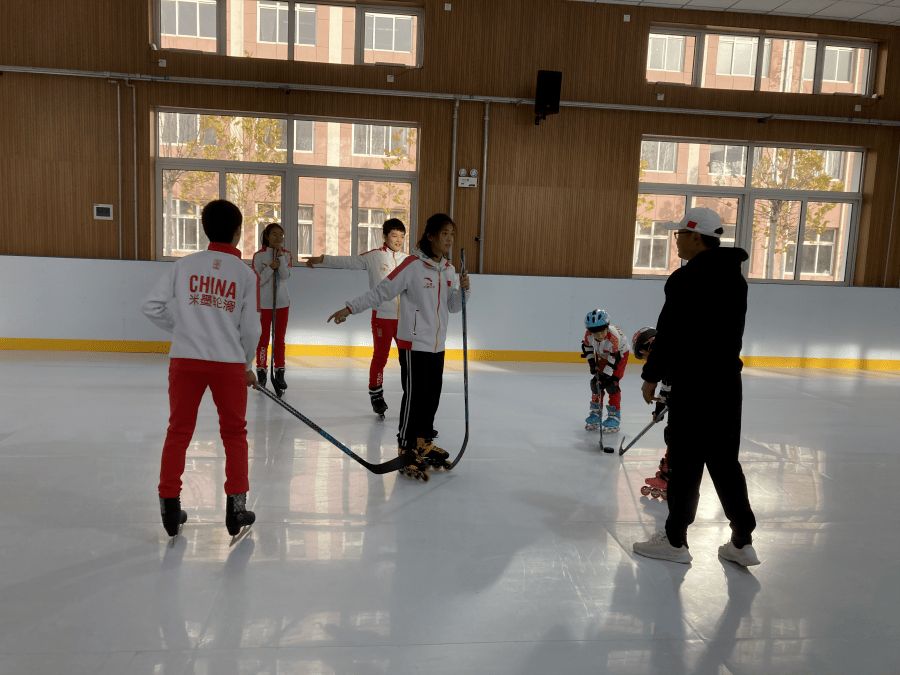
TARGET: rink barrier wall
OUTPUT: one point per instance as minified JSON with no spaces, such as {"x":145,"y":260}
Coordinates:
{"x":95,"y":305}
{"x":132,"y":346}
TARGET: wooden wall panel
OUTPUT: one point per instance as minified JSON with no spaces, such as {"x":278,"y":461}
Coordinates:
{"x":560,"y":195}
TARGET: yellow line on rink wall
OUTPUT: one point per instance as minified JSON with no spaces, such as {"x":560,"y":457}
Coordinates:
{"x":147,"y":347}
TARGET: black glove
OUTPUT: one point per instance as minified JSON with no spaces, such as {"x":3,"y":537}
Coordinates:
{"x":592,"y":363}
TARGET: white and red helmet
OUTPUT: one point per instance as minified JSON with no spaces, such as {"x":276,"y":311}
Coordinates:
{"x":642,"y":340}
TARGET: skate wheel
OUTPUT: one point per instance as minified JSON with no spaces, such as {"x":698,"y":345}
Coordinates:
{"x":645,"y":490}
{"x":665,"y":495}
{"x":655,"y":492}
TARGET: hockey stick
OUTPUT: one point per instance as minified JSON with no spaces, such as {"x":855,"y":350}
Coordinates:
{"x":274,"y":312}
{"x":462,"y":257}
{"x":656,"y":418}
{"x":399,"y":462}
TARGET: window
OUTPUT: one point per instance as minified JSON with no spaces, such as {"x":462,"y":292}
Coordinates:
{"x":666,"y":52}
{"x":838,"y":65}
{"x":189,"y":234}
{"x":305,"y":220}
{"x":304,"y":135}
{"x":783,"y":64}
{"x":651,"y":246}
{"x":377,"y":141}
{"x":305,"y":30}
{"x":290,"y":30}
{"x":659,"y":156}
{"x":188,"y":18}
{"x":205,"y":155}
{"x":178,"y":129}
{"x":370,"y":231}
{"x":736,"y":56}
{"x":272,"y":19}
{"x":727,"y":160}
{"x":772,"y":201}
{"x":388,"y":32}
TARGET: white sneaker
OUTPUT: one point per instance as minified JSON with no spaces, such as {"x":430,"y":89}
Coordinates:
{"x":742,"y":556}
{"x":658,"y":547}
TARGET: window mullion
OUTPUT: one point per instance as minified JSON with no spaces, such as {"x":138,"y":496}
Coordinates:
{"x":360,"y":37}
{"x":820,"y":67}
{"x":292,"y":29}
{"x":760,"y":51}
{"x":354,"y":220}
{"x":699,"y":55}
{"x":798,"y":249}
{"x":221,"y":28}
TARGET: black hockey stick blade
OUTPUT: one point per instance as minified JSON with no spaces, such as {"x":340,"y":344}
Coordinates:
{"x":387,"y":467}
{"x":462,"y":266}
{"x":605,"y":448}
{"x":656,"y":418}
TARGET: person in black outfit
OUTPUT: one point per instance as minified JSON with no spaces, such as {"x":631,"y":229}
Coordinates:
{"x":706,"y":303}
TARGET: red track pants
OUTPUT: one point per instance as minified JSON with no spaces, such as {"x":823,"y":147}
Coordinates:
{"x":188,"y":380}
{"x":281,"y":319}
{"x":383,"y":331}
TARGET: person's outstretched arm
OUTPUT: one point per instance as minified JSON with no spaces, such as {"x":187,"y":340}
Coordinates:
{"x":389,"y":288}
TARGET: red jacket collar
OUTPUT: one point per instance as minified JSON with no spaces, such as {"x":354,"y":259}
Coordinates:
{"x":223,"y":248}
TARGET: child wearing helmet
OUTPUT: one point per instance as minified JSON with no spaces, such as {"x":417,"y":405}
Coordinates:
{"x":641,"y":344}
{"x":606,"y":350}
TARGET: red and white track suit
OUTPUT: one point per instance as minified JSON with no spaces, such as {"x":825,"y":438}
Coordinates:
{"x":261,"y":261}
{"x":379,"y":262}
{"x":209,"y":301}
{"x":428,"y":292}
{"x":611,"y":356}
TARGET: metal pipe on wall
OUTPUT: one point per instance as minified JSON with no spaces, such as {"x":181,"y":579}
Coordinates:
{"x":253,"y":84}
{"x":134,"y":159}
{"x":453,"y":155}
{"x":487,"y":117}
{"x":119,"y":133}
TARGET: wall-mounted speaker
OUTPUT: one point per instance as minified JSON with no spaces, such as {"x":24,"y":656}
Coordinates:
{"x":546,"y":96}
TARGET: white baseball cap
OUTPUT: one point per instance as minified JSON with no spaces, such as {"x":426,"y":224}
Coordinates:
{"x":699,"y":219}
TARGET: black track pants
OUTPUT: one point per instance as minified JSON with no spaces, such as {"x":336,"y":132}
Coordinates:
{"x":421,"y":374}
{"x":705,"y":430}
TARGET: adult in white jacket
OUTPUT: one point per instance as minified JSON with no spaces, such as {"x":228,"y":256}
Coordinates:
{"x":209,"y":301}
{"x":379,"y":262}
{"x":429,"y":289}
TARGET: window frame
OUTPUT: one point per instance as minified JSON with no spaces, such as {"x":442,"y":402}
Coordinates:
{"x":747,"y":194}
{"x":289,"y":172}
{"x":700,"y":35}
{"x":360,"y":11}
{"x":390,"y":136}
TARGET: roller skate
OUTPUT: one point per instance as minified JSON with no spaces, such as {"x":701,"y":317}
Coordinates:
{"x":656,"y":487}
{"x":172,"y":516}
{"x":278,"y":381}
{"x":237,"y":518}
{"x":432,"y":456}
{"x":418,"y":470}
{"x":376,"y":394}
{"x":261,"y":376}
{"x":595,"y":418}
{"x":611,"y":423}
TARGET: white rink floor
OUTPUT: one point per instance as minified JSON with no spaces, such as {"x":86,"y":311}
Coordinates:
{"x":517,"y":562}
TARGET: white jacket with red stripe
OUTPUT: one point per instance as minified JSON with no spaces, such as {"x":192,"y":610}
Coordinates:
{"x":428,"y":292}
{"x":261,"y":261}
{"x":609,"y":351}
{"x":380,"y":262}
{"x":209,"y":301}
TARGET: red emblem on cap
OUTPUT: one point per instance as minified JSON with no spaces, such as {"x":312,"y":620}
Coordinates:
{"x":691,"y":224}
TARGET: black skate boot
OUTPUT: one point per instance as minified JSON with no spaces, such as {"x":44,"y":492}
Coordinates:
{"x":278,"y":379}
{"x":261,"y":376}
{"x":376,"y":394}
{"x":432,"y":456}
{"x":236,"y":514}
{"x":172,"y":515}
